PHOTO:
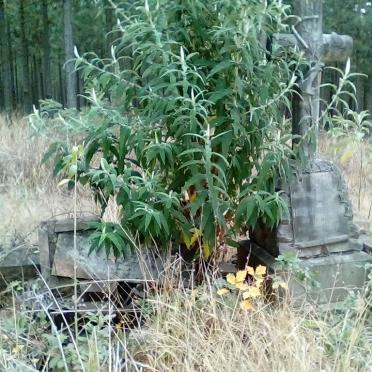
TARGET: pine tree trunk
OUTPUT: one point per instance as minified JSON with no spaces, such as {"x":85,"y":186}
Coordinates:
{"x":69,"y":55}
{"x":16,"y":81}
{"x":360,"y":90}
{"x":6,"y":76}
{"x":109,"y":24}
{"x":47,"y":82}
{"x":61,"y":85}
{"x":368,"y":95}
{"x":26,"y":93}
{"x":12,"y":68}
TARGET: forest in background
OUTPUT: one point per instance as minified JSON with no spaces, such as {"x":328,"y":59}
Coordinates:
{"x":38,"y":37}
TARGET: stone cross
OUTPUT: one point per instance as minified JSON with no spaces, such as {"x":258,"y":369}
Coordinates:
{"x":318,"y":227}
{"x":318,"y":48}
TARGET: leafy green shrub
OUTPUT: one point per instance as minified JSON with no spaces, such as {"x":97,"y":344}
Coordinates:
{"x":185,"y":126}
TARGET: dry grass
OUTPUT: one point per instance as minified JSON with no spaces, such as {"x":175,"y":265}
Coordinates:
{"x":28,"y":191}
{"x":207,"y":335}
{"x":187,"y":330}
{"x":355,"y":160}
{"x":184,"y":330}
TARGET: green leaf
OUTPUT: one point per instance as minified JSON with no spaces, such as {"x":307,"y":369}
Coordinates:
{"x":220,"y":67}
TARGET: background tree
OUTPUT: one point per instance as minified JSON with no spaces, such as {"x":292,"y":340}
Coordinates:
{"x":46,"y":76}
{"x":6,"y":82}
{"x":33,"y":51}
{"x":69,"y":53}
{"x":32,"y":47}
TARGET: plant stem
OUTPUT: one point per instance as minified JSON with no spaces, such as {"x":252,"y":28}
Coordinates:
{"x":360,"y":178}
{"x":75,"y":256}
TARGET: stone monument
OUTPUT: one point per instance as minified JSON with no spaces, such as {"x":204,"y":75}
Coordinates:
{"x":319,"y":228}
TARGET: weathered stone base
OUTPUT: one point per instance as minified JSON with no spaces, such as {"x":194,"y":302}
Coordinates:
{"x":58,"y":258}
{"x":337,"y":274}
{"x":18,"y":265}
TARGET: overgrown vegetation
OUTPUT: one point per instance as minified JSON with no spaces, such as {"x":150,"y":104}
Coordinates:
{"x":185,"y":136}
{"x":190,"y":329}
{"x":185,"y":127}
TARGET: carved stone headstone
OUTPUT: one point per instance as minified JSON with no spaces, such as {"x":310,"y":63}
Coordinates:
{"x":319,"y":228}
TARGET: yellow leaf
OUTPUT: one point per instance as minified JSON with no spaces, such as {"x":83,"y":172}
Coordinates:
{"x":240,"y":276}
{"x":17,"y":349}
{"x":252,"y":292}
{"x":185,"y":240}
{"x":189,"y":242}
{"x":258,"y":282}
{"x":231,"y":279}
{"x":346,"y":156}
{"x":206,"y":250}
{"x":194,"y":293}
{"x":118,"y":327}
{"x":63,"y":182}
{"x":283,"y":285}
{"x":260,"y":270}
{"x":246,"y":305}
{"x":250,"y":270}
{"x":222,"y":291}
{"x":242,"y":286}
{"x":195,"y":236}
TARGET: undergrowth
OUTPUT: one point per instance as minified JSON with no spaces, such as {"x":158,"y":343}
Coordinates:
{"x":192,"y":329}
{"x":28,"y":191}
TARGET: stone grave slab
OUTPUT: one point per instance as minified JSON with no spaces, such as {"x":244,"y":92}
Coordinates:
{"x":337,"y":274}
{"x":317,"y":212}
{"x":18,"y":263}
{"x":58,"y":257}
{"x":98,"y":266}
{"x":320,"y":220}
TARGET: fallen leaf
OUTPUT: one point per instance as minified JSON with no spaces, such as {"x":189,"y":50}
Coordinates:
{"x":240,"y":276}
{"x":246,"y":305}
{"x":194,"y":293}
{"x":242,"y":286}
{"x":283,"y":285}
{"x":17,"y":349}
{"x":230,"y":278}
{"x":258,"y":282}
{"x":346,"y":156}
{"x":252,"y":292}
{"x":250,"y":270}
{"x":260,"y":270}
{"x":223,"y":291}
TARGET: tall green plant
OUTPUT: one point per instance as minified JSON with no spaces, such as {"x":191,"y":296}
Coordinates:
{"x":186,"y":127}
